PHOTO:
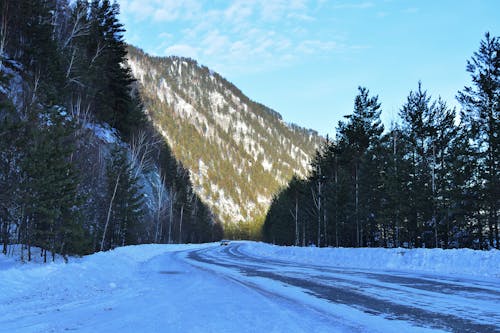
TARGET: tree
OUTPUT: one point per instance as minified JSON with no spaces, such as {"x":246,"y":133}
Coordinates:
{"x":49,"y":183}
{"x":110,"y":78}
{"x":481,"y":106}
{"x":357,"y":135}
{"x":10,"y":133}
{"x":62,"y":69}
{"x":125,"y":203}
{"x":416,"y":114}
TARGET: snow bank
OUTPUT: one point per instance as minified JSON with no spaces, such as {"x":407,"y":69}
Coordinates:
{"x":100,"y":271}
{"x":453,"y":261}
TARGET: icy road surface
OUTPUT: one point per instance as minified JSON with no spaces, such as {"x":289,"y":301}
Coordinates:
{"x":422,"y":300}
{"x":236,"y":288}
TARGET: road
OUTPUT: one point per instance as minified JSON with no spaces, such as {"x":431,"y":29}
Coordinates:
{"x":422,"y":300}
{"x":203,"y":288}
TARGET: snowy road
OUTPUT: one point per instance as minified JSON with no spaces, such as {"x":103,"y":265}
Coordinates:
{"x":243,"y":287}
{"x":450,"y":304}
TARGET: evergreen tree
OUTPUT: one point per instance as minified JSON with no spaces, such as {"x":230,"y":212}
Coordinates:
{"x":360,"y":133}
{"x":49,"y":183}
{"x":427,"y":182}
{"x":415,"y":115}
{"x":465,"y":188}
{"x":442,"y":134}
{"x":111,"y":78}
{"x":481,"y":105}
{"x":394,"y":175}
{"x":66,"y":65}
{"x":10,"y":131}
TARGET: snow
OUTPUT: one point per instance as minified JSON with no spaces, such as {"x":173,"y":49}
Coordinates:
{"x":225,"y":202}
{"x":262,"y":199}
{"x":157,"y":288}
{"x":267,"y":165}
{"x":104,"y":132}
{"x":137,"y":70}
{"x":217,"y":112}
{"x":452,"y":261}
{"x":14,"y":86}
{"x":216,"y":100}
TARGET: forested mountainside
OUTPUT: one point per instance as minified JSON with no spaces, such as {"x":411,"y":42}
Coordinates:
{"x":239,"y":152}
{"x":81,"y":168}
{"x":433,"y":180}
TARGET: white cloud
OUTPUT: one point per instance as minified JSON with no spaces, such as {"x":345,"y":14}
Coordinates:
{"x":316,"y":46}
{"x":278,"y":9}
{"x":241,"y":34}
{"x":351,"y":5}
{"x":239,"y":11}
{"x":165,"y":35}
{"x":301,"y":17}
{"x":214,"y":43}
{"x":160,"y":10}
{"x":137,"y":9}
{"x":163,"y":15}
{"x":182,"y":50}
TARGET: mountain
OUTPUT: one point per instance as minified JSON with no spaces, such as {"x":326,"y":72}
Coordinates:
{"x":239,"y":152}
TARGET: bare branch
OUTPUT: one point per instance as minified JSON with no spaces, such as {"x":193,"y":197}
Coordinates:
{"x":80,"y":28}
{"x":98,"y":52}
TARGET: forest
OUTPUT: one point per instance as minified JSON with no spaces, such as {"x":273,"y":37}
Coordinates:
{"x":63,"y":78}
{"x":430,"y":180}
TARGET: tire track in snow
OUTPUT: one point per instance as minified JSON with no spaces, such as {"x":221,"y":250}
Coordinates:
{"x":349,"y":287}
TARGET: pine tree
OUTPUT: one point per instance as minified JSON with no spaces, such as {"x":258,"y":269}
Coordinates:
{"x":37,"y":49}
{"x":10,"y":131}
{"x":442,"y":134}
{"x":415,"y":115}
{"x":360,"y":133}
{"x":111,"y":78}
{"x":465,"y":202}
{"x":481,"y":104}
{"x":50,"y":183}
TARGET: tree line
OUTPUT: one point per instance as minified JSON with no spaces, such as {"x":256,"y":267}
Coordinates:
{"x":63,"y":77}
{"x":431,"y":180}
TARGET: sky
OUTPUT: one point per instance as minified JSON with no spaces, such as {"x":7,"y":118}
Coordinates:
{"x":307,"y":58}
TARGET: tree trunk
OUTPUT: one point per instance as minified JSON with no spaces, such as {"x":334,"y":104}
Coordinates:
{"x":5,"y":233}
{"x":434,"y":201}
{"x":109,"y":213}
{"x":356,"y":212}
{"x":336,"y":205}
{"x":180,"y":224}
{"x":171,"y":217}
{"x":296,"y":220}
{"x":325,"y":237}
{"x":319,"y":213}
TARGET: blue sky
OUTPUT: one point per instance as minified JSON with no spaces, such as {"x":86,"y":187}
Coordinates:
{"x":306,"y":58}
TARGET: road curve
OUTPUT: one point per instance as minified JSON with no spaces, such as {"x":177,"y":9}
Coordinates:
{"x":423,"y":300}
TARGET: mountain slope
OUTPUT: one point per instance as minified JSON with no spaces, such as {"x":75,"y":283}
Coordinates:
{"x":238,"y":152}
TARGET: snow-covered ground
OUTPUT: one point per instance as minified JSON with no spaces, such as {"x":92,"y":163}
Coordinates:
{"x":253,"y":287}
{"x":453,"y":261}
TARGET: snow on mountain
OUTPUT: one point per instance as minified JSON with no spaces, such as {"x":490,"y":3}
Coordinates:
{"x":226,"y":140}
